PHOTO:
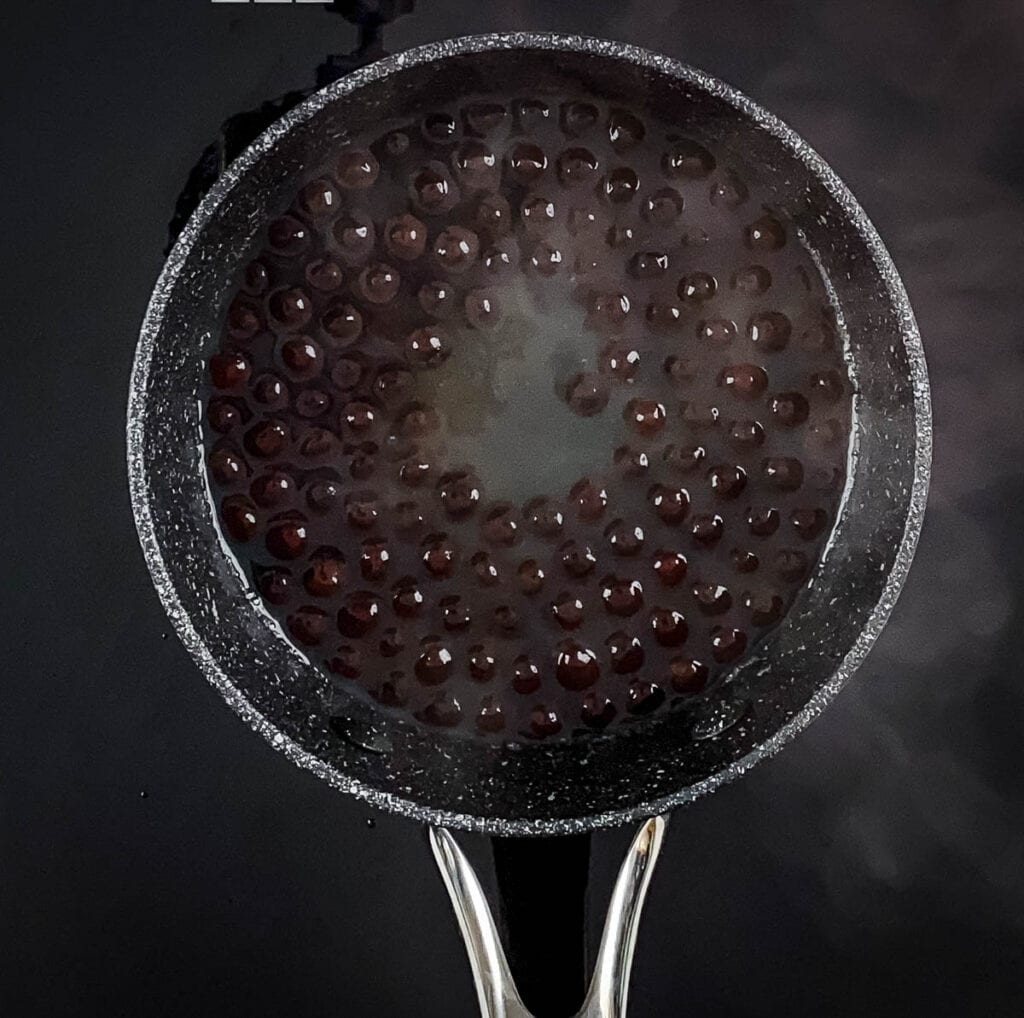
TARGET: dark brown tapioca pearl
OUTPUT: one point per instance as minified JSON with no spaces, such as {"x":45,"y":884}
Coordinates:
{"x":662,"y":207}
{"x":644,"y":697}
{"x":374,"y":559}
{"x":577,"y":118}
{"x":476,"y":165}
{"x":223,"y":416}
{"x":288,"y":236}
{"x":544,"y":723}
{"x":745,"y":381}
{"x":530,"y":114}
{"x":577,"y":165}
{"x":681,"y":370}
{"x":428,"y":346}
{"x":624,"y":538}
{"x":729,"y":191}
{"x":545,"y":259}
{"x":577,"y":558}
{"x":789,"y":409}
{"x":500,"y":525}
{"x":766,"y":608}
{"x":712,"y":598}
{"x":505,"y":620}
{"x":688,"y":675}
{"x":433,"y":666}
{"x":443,"y":712}
{"x":323,"y":496}
{"x":275,"y":585}
{"x":670,"y":567}
{"x":290,"y":309}
{"x":699,"y":415}
{"x":743,"y":561}
{"x":783,"y":473}
{"x":607,"y":310}
{"x":685,"y":459}
{"x":621,"y":361}
{"x":286,"y":538}
{"x":483,"y":309}
{"x":256,"y":279}
{"x":357,"y":169}
{"x":342,"y":323}
{"x":687,"y":160}
{"x":525,"y":676}
{"x":363,"y":460}
{"x":625,"y":130}
{"x":482,"y":118}
{"x":346,"y":661}
{"x":597,"y":711}
{"x":645,"y":416}
{"x":583,"y":220}
{"x":485,"y":569}
{"x":791,"y":565}
{"x":621,"y":185}
{"x":530,"y":577}
{"x":455,"y":613}
{"x":405,"y":237}
{"x":625,"y":652}
{"x":526,"y":162}
{"x":537,"y":213}
{"x":362,"y":509}
{"x":392,"y":642}
{"x":354,"y":234}
{"x":746,"y":434}
{"x":459,"y":491}
{"x":415,"y":471}
{"x":438,"y":555}
{"x":456,"y":249}
{"x":493,"y":216}
{"x":307,"y":625}
{"x":567,"y":610}
{"x":312,"y":403}
{"x":483,"y":665}
{"x":770,"y":331}
{"x":670,"y":503}
{"x":317,"y":443}
{"x":727,"y":480}
{"x":827,"y":386}
{"x":765,"y":234}
{"x":324,"y":274}
{"x":392,"y":384}
{"x":272,"y":489}
{"x":407,"y":599}
{"x":622,"y":597}
{"x":663,"y":315}
{"x":396,"y":144}
{"x":501,"y":259}
{"x":490,"y":718}
{"x":763,"y":521}
{"x":707,"y":529}
{"x":809,"y":523}
{"x":227,"y":466}
{"x":437,"y":298}
{"x":267,"y":439}
{"x":302,"y":357}
{"x":697,"y":287}
{"x":326,"y":573}
{"x":544,"y":516}
{"x":432,"y":189}
{"x":648,"y":265}
{"x":440,"y":128}
{"x":359,"y":615}
{"x":587,"y":394}
{"x":243,"y":319}
{"x":727,"y":644}
{"x":753,"y":280}
{"x":669,"y":627}
{"x":576,"y":666}
{"x":240,"y":518}
{"x":630,"y":462}
{"x":358,"y":417}
{"x":588,"y":499}
{"x":379,"y":283}
{"x":398,"y":446}
{"x":319,"y":199}
{"x":230,"y":371}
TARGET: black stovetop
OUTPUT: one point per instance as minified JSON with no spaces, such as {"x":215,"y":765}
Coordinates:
{"x":158,"y":858}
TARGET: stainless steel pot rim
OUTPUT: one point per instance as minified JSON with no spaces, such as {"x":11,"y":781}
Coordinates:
{"x":150,"y":332}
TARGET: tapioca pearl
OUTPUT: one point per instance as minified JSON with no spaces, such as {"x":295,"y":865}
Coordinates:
{"x":229,"y":371}
{"x":576,"y":666}
{"x":765,"y":607}
{"x":405,"y":237}
{"x":443,"y":712}
{"x":577,"y":165}
{"x":687,"y":160}
{"x":240,"y":517}
{"x":362,"y":509}
{"x":243,"y":319}
{"x":288,"y":236}
{"x":483,"y":118}
{"x":493,"y":216}
{"x":620,"y":360}
{"x":688,"y":674}
{"x":645,"y":416}
{"x":501,"y":259}
{"x":662,"y":207}
{"x":482,"y":663}
{"x":456,"y":616}
{"x":434,"y":664}
{"x":567,"y":610}
{"x":223,"y":416}
{"x":499,"y":525}
{"x":325,"y":576}
{"x":707,"y":529}
{"x":699,"y":415}
{"x":398,"y":445}
{"x":791,"y":565}
{"x":643,"y":697}
{"x":527,"y":161}
{"x":415,"y":471}
{"x":538,"y":214}
{"x":354,"y":234}
{"x":765,"y":234}
{"x":362,"y":460}
{"x":456,"y":249}
{"x":697,"y":287}
{"x":459,"y":492}
{"x":745,"y":434}
{"x":544,"y":722}
{"x":545,"y":259}
{"x":716,"y":331}
{"x":753,"y":280}
{"x":663,"y":315}
{"x":789,"y":409}
{"x":490,"y":717}
{"x":809,"y":523}
{"x":669,"y":627}
{"x":583,"y":220}
{"x":770,"y":331}
{"x":763,"y":521}
{"x":311,"y":403}
{"x":743,"y":560}
{"x":342,"y":323}
{"x":286,"y":538}
{"x":437,"y":298}
{"x":622,"y":596}
{"x":432,"y":189}
{"x":483,"y":309}
{"x":712,"y":598}
{"x":374,"y":559}
{"x":440,"y":128}
{"x":577,"y":558}
{"x":357,"y":169}
{"x":485,"y":569}
{"x":608,"y":310}
{"x":530,"y":577}
{"x":276,"y":585}
{"x":359,"y":417}
{"x":359,"y":615}
{"x":407,"y":599}
{"x":320,"y":198}
{"x":597,"y":711}
{"x":302,"y":357}
{"x":578,"y":117}
{"x":621,"y":185}
{"x":256,"y":279}
{"x":625,"y":652}
{"x":531,"y":114}
{"x":392,"y":690}
{"x":648,"y":265}
{"x":587,"y":394}
{"x":391,"y":643}
{"x":307,"y":625}
{"x":267,"y":439}
{"x":324,"y":274}
{"x":670,"y":567}
{"x":671,"y":504}
{"x":728,"y":644}
{"x":323,"y":496}
{"x":589,"y":499}
{"x":439,"y":556}
{"x":396,"y":144}
{"x":525,"y":675}
{"x":625,"y":130}
{"x":727,"y":481}
{"x":544,"y":516}
{"x":289,"y":309}
{"x":630,"y":462}
{"x":427,"y":346}
{"x":827,"y":387}
{"x":744,"y":381}
{"x":379,"y":283}
{"x":817,"y":337}
{"x":272,"y":489}
{"x":684,"y":459}
{"x":681,"y":369}
{"x":624,"y":538}
{"x":729,"y":191}
{"x":394,"y":382}
{"x":346,"y":661}
{"x":783,"y":473}
{"x":418,"y":420}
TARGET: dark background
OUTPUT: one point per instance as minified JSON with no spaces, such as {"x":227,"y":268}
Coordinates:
{"x":158,"y":858}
